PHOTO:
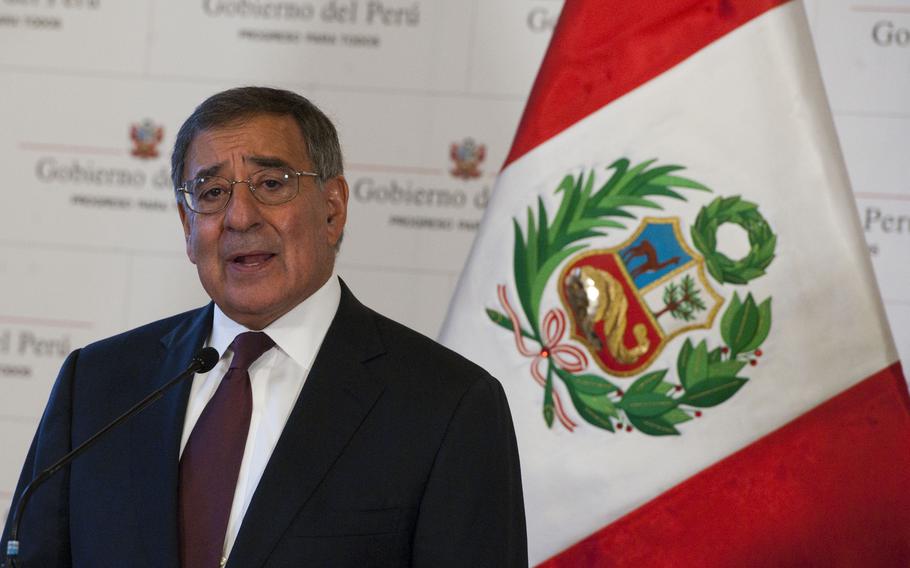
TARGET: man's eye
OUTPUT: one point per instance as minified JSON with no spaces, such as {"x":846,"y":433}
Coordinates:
{"x":272,"y":183}
{"x":210,"y":193}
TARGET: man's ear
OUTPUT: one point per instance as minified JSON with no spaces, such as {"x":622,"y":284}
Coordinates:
{"x":335,"y":193}
{"x":186,"y":219}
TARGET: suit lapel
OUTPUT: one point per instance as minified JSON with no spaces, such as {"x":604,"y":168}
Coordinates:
{"x":336,"y":397}
{"x":155,"y":441}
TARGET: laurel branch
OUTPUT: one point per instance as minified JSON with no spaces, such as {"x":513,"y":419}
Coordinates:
{"x":762,"y":241}
{"x":706,"y":377}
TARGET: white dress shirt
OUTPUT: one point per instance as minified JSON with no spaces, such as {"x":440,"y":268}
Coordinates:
{"x":276,"y":378}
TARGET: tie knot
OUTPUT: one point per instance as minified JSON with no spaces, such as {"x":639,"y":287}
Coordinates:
{"x":248,"y":347}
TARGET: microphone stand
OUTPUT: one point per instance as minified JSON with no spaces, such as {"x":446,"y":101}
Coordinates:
{"x":203,"y":362}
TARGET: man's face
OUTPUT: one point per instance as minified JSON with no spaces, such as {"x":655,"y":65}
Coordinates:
{"x":258,"y":261}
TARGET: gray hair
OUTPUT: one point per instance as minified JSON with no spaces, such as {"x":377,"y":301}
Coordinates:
{"x":228,"y":107}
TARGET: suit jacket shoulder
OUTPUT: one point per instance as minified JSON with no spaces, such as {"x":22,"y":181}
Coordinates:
{"x":116,"y":503}
{"x":431,"y":366}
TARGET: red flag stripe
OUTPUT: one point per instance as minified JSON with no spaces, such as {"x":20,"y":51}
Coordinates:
{"x":595,"y":57}
{"x":831,"y":488}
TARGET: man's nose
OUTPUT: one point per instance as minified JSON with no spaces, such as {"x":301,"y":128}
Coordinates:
{"x":242,"y":212}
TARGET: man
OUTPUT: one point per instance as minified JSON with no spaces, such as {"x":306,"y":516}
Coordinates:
{"x":334,"y":438}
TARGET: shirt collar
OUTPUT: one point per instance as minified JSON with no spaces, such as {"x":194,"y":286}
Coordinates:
{"x":298,"y":333}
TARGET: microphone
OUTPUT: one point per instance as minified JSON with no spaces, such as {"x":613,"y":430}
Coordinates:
{"x":203,"y":362}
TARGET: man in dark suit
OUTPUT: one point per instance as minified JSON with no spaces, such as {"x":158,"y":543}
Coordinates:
{"x":340,"y":439}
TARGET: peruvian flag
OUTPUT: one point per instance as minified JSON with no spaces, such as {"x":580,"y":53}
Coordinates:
{"x":672,"y":285}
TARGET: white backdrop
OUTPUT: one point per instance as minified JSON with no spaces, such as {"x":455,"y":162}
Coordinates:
{"x":91,"y":245}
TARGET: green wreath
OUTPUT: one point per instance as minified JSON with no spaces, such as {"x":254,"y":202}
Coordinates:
{"x":762,"y":240}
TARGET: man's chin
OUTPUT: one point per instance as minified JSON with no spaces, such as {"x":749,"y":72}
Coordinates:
{"x":253,"y":314}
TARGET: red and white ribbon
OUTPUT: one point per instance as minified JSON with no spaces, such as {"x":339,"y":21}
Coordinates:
{"x":567,"y":357}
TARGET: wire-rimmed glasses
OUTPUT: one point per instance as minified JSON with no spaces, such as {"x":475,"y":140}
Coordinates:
{"x":270,"y":186}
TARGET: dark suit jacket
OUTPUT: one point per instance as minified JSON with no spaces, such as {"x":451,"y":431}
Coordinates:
{"x":398,"y":453}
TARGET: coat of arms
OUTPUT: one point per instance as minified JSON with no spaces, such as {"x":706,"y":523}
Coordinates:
{"x":467,"y":157}
{"x":623,"y":305}
{"x":146,"y":136}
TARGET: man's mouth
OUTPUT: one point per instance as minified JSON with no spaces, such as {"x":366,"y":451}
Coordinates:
{"x":251,"y":260}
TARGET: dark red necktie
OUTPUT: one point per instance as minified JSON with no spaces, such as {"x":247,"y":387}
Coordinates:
{"x":211,"y":460}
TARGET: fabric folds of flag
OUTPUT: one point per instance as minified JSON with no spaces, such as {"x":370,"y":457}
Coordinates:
{"x":672,"y":284}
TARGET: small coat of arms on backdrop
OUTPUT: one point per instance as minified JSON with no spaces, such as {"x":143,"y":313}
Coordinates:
{"x":146,"y":137}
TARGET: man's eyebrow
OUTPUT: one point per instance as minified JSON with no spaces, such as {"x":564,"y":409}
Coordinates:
{"x":208,"y":171}
{"x":260,"y":161}
{"x":268,"y":162}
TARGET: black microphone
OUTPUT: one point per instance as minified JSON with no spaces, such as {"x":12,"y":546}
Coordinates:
{"x":203,"y":362}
